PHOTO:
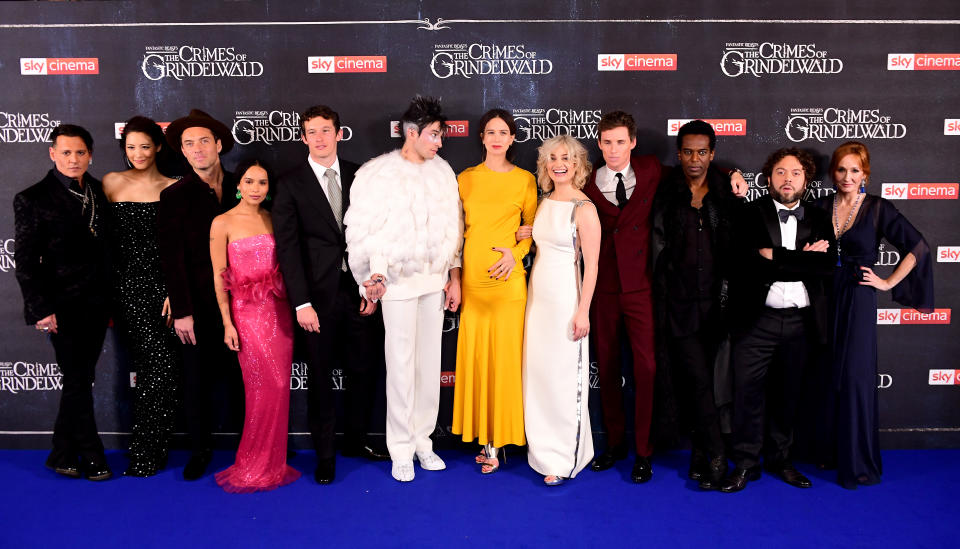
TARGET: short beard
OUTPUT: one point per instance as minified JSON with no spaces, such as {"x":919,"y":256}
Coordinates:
{"x":779,"y":197}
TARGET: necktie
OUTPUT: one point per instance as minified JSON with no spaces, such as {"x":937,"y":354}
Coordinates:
{"x":621,"y":192}
{"x":334,"y":196}
{"x":336,"y":203}
{"x":785,"y":214}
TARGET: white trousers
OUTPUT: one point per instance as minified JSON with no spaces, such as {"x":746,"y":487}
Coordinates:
{"x":413,"y":332}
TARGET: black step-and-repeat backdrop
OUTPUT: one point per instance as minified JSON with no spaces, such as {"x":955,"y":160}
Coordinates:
{"x":805,"y":76}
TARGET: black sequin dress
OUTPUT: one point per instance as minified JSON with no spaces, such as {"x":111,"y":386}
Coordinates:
{"x":153,"y":346}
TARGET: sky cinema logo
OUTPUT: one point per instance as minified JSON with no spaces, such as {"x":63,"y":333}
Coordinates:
{"x":469,"y":60}
{"x":919,"y":191}
{"x":29,"y":376}
{"x":326,"y":64}
{"x":820,"y":124}
{"x":44,"y":66}
{"x":912,"y":316}
{"x":722,"y":126}
{"x":455,"y":128}
{"x":18,"y":127}
{"x":951,"y":126}
{"x":943,"y":377}
{"x":541,"y":124}
{"x":118,"y":128}
{"x":948,"y":254}
{"x":181,"y":62}
{"x":758,"y":59}
{"x":637,"y":62}
{"x":923,"y":61}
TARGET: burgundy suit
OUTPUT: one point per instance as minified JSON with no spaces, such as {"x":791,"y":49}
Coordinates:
{"x":622,"y":302}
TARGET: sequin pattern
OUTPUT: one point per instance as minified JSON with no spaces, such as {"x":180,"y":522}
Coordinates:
{"x":153,"y":346}
{"x":261,"y":314}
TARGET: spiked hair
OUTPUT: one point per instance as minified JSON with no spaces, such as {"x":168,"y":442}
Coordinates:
{"x":422,"y":112}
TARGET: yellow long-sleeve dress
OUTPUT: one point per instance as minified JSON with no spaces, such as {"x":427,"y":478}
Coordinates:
{"x":488,"y":400}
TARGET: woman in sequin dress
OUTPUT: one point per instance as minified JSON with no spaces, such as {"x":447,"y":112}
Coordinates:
{"x":257,"y":323}
{"x":143,"y":318}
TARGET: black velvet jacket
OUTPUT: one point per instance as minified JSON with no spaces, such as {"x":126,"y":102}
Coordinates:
{"x":60,"y":262}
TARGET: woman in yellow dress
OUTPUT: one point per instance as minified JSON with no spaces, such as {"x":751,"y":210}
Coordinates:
{"x":498,"y":197}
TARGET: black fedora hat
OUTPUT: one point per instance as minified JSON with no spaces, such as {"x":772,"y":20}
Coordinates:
{"x":199,"y":119}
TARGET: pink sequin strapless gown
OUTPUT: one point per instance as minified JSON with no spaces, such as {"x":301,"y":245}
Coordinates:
{"x":261,"y":314}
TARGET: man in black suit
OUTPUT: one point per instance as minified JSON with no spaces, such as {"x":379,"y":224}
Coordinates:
{"x":779,"y":302}
{"x":63,"y":270}
{"x":183,"y":221}
{"x":341,"y":328}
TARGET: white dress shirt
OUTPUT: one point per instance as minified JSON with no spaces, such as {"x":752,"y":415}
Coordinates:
{"x":784,"y":295}
{"x":319,"y":171}
{"x":607,"y":182}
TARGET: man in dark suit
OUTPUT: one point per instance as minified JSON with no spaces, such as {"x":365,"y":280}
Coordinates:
{"x":63,"y":270}
{"x":341,"y":328}
{"x":183,"y":221}
{"x":778,"y":298}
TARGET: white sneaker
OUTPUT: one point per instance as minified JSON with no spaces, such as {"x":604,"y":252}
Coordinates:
{"x":430,"y":461}
{"x":402,"y":471}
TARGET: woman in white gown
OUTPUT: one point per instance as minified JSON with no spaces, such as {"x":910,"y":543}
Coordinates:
{"x":556,"y":359}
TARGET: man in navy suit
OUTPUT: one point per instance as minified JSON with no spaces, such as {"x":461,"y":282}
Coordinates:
{"x":338,"y":324}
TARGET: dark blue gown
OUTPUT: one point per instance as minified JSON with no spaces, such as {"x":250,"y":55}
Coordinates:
{"x":852,"y":424}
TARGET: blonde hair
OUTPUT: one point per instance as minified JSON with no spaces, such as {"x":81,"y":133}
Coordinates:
{"x":576,"y":151}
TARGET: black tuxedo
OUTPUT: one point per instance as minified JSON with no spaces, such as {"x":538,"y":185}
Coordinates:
{"x":771,"y":345}
{"x":311,"y":250}
{"x":64,"y":269}
{"x":183,"y":223}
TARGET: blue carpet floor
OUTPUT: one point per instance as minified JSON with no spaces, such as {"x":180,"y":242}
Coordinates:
{"x":914,"y":506}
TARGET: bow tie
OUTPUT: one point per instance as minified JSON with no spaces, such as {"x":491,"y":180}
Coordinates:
{"x":785,"y":214}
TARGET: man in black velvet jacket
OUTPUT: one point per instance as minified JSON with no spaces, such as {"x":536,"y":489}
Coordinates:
{"x":183,"y":222}
{"x":63,"y":270}
{"x":779,"y":300}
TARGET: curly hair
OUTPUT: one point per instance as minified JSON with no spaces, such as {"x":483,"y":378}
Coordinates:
{"x":576,"y":151}
{"x":809,"y":166}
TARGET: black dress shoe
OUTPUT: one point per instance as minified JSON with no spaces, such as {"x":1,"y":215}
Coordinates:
{"x":698,"y":464}
{"x":738,"y":480}
{"x":325,"y":471}
{"x":790,"y":475}
{"x":366,"y":452}
{"x":197,"y":465}
{"x":642,"y":472}
{"x":97,"y":471}
{"x":608,"y":459}
{"x":713,"y":474}
{"x":67,"y":470}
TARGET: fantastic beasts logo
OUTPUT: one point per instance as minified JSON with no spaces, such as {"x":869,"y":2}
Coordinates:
{"x":468,"y":60}
{"x":820,"y":124}
{"x":18,"y":127}
{"x":179,"y":62}
{"x":758,"y":59}
{"x":543,"y":124}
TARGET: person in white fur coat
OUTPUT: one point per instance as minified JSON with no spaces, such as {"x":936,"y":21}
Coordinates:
{"x":404,"y":231}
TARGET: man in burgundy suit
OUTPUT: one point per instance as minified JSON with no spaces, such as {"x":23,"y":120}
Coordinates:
{"x":623,"y":190}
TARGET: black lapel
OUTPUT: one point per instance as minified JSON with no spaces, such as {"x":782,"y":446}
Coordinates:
{"x":769,"y":212}
{"x":805,"y":227}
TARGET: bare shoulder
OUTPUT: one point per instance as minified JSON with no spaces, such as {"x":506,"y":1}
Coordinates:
{"x":112,"y":183}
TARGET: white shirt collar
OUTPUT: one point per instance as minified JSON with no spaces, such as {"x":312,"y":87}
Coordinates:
{"x":320,"y":169}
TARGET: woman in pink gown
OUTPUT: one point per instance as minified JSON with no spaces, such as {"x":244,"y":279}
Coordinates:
{"x":258,"y":325}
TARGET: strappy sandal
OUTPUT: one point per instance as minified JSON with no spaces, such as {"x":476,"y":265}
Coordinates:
{"x":553,"y":480}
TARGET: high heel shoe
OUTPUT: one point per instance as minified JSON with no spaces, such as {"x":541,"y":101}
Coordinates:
{"x":553,"y":480}
{"x":490,"y":464}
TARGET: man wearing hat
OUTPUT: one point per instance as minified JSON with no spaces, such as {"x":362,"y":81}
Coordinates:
{"x":183,"y":220}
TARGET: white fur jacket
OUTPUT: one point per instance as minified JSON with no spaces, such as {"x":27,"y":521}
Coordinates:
{"x":402,"y":217}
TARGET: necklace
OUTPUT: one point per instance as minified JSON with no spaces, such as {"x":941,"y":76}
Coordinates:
{"x":87,"y":199}
{"x":836,"y":222}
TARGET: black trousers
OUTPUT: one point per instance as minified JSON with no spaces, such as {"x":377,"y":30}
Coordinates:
{"x":693,"y":359}
{"x":210,"y":374}
{"x":77,"y":345}
{"x":768,"y":365}
{"x":353,"y":344}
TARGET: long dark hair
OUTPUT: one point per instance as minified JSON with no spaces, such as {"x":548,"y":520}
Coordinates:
{"x":164,"y":160}
{"x":508,"y":120}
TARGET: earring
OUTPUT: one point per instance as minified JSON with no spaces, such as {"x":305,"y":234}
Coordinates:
{"x":863,"y":186}
{"x":268,"y":198}
{"x":239,"y":196}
